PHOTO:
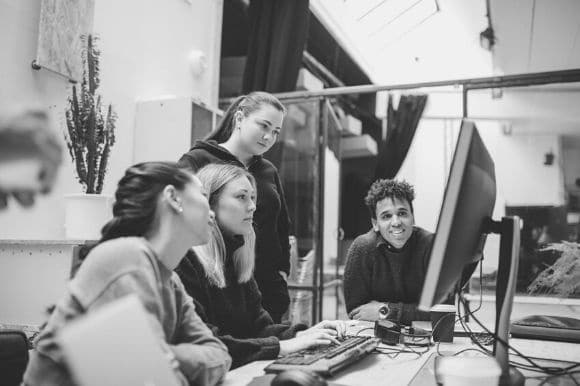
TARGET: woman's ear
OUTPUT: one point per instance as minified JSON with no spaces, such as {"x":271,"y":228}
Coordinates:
{"x":238,"y":117}
{"x":171,"y":196}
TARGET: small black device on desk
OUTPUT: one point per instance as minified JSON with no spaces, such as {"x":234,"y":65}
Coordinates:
{"x":393,"y":333}
{"x":547,"y":327}
{"x":326,"y":360}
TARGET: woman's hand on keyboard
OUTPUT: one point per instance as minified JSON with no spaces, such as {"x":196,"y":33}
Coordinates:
{"x":337,"y":327}
{"x":322,"y":334}
{"x":307,"y":339}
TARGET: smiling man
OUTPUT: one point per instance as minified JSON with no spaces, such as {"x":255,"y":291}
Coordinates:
{"x":386,"y":266}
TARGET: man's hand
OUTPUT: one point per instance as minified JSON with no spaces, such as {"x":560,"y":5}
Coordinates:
{"x":369,"y":311}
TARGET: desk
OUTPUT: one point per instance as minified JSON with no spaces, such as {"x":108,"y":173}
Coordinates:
{"x":380,"y":369}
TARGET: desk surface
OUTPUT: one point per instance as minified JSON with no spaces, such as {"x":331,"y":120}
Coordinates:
{"x":376,"y":368}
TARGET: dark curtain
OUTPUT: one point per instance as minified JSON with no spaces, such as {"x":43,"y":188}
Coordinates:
{"x":401,"y":126}
{"x":278,"y":32}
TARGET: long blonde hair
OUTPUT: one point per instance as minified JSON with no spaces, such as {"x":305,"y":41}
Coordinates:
{"x":212,"y":255}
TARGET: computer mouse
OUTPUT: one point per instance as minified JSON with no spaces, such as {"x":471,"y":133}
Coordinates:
{"x":297,"y":378}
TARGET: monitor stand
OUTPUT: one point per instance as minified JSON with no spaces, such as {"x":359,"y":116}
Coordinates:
{"x":509,"y":254}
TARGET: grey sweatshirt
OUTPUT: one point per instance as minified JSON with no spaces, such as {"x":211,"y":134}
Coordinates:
{"x":117,"y":268}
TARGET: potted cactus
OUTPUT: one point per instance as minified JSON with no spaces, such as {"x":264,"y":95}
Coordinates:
{"x":90,"y":135}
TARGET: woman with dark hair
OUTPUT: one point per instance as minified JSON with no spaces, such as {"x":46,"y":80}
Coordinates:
{"x":250,"y":127}
{"x":386,"y":267}
{"x":218,"y":275}
{"x":160,"y":211}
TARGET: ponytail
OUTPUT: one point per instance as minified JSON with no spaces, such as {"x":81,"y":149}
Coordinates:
{"x":122,"y":227}
{"x":226,"y":126}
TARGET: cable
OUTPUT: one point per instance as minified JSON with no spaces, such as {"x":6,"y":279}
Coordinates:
{"x":532,"y":364}
{"x":468,"y":349}
{"x":419,"y":353}
{"x":394,"y":352}
{"x":364,"y":329}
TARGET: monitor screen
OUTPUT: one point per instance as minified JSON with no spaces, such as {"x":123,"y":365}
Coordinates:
{"x":467,"y":204}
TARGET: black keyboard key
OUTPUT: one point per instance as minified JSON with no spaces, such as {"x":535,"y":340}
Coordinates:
{"x":347,"y":344}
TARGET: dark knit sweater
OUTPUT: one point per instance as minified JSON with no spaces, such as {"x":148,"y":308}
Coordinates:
{"x":234,"y":313}
{"x":271,"y":220}
{"x":375,"y":270}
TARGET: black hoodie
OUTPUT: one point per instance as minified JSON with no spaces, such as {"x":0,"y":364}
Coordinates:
{"x":271,"y":221}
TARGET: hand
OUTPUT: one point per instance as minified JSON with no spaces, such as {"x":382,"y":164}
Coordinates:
{"x":309,"y":338}
{"x":321,"y":334}
{"x":338,"y":327}
{"x":369,"y":311}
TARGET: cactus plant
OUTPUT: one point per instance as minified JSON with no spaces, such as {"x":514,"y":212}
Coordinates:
{"x":90,"y":128}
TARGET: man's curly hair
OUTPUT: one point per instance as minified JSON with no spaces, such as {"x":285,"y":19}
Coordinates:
{"x":383,"y":188}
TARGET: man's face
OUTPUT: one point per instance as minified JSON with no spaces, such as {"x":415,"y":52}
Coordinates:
{"x":394,"y":221}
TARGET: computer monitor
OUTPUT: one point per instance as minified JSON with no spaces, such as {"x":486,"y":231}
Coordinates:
{"x":468,"y":203}
{"x":464,"y":222}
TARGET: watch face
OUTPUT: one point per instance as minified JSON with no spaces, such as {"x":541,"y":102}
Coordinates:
{"x":383,"y":311}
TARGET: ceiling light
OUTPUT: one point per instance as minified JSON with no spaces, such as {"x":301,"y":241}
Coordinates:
{"x":487,"y":38}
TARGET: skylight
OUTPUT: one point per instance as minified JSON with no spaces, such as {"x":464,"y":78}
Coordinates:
{"x":365,"y":26}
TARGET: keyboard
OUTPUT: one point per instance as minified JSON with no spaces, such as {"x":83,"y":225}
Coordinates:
{"x":326,"y":360}
{"x":547,"y":327}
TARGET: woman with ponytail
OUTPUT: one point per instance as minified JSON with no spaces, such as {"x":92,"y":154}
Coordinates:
{"x":218,"y":275}
{"x":249,"y":128}
{"x":160,"y":211}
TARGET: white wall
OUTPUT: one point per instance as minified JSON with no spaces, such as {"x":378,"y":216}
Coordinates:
{"x":145,"y":46}
{"x":571,"y":160}
{"x":426,"y":168}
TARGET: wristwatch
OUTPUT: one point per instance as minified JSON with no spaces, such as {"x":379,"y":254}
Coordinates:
{"x":383,"y":312}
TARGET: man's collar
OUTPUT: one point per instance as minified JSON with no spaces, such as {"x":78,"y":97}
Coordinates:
{"x":382,"y":243}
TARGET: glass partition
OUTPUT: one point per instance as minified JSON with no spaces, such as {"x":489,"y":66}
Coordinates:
{"x":332,"y":300}
{"x":296,"y":155}
{"x":307,"y":156}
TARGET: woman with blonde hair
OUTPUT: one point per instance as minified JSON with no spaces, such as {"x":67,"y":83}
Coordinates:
{"x":218,"y":276}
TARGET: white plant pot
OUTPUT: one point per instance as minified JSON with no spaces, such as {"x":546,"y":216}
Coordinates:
{"x":85,"y":215}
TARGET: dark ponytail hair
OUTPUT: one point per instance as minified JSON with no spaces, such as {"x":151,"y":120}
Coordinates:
{"x":246,"y":104}
{"x":136,"y":197}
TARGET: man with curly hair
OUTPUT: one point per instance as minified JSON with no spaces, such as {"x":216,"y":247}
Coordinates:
{"x":386,"y":267}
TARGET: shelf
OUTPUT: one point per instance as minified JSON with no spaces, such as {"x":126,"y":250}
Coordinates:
{"x":531,"y":299}
{"x":46,"y":242}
